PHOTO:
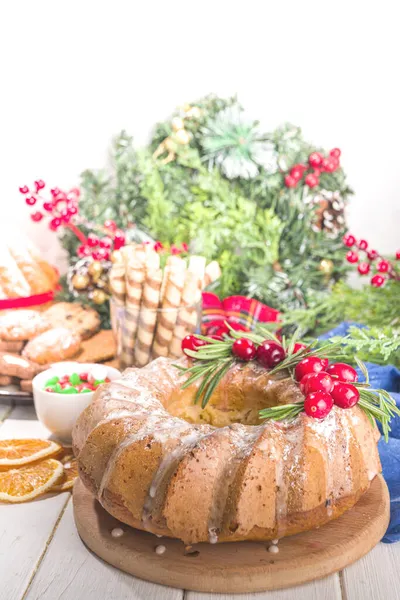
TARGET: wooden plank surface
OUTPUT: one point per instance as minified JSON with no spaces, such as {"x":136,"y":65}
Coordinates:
{"x":69,"y":571}
{"x":24,"y":528}
{"x":376,"y":576}
{"x":324,"y":589}
{"x":43,"y":558}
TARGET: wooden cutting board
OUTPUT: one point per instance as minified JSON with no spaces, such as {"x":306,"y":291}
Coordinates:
{"x":242,"y":566}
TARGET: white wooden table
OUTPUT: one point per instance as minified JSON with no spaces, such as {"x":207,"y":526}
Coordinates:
{"x":43,"y":558}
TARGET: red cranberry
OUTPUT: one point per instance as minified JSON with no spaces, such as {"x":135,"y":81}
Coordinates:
{"x":158,"y":247}
{"x":92,"y":240}
{"x":324,"y":362}
{"x":362,"y":244}
{"x":342,"y":371}
{"x":345,"y":395}
{"x":83,"y":251}
{"x":24,"y":189}
{"x":30,"y":200}
{"x":298,"y":347}
{"x":54,"y":191}
{"x":191,"y":342}
{"x":312,"y":364}
{"x":311,"y":180}
{"x":349,"y":240}
{"x":244,"y":349}
{"x":318,"y":404}
{"x":39,"y":185}
{"x":316,"y":382}
{"x":331,"y":165}
{"x":270,"y":354}
{"x":73,"y":210}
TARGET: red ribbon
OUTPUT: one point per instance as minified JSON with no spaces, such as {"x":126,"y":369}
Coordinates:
{"x":27,"y":301}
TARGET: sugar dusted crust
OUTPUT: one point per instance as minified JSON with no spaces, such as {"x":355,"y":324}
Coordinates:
{"x":197,"y":482}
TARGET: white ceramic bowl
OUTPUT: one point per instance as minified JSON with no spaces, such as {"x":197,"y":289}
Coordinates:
{"x":59,"y":412}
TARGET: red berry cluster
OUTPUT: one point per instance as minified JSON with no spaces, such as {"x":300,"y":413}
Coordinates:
{"x":317,"y":164}
{"x":175,"y":250}
{"x":60,"y":208}
{"x":369,"y":261}
{"x":324,"y":385}
{"x":100,"y":248}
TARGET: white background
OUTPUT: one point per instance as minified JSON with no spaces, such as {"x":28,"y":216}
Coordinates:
{"x":74,"y":73}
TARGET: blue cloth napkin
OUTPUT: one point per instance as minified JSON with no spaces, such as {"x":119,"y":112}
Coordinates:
{"x":387,"y":378}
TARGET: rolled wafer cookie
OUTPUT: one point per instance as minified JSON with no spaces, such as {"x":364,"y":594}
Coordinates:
{"x":186,"y":321}
{"x":117,"y":283}
{"x":135,"y":277}
{"x":168,"y":315}
{"x":212,"y":273}
{"x":147,"y":318}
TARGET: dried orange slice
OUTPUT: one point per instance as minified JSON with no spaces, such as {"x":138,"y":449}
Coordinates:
{"x":25,"y":483}
{"x":20,"y":452}
{"x":68,"y":477}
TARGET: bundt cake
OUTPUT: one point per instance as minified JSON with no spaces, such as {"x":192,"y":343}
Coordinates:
{"x":159,"y":462}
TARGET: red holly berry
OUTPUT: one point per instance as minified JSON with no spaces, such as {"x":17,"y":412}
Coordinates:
{"x":377,"y":280}
{"x":297,"y":171}
{"x":191,"y":342}
{"x":363,"y":268}
{"x":330,"y":165}
{"x":315,"y":159}
{"x":311,"y":180}
{"x":48,"y":206}
{"x":318,"y":404}
{"x":73,"y":210}
{"x":398,"y":255}
{"x":345,"y":395}
{"x":290,"y":181}
{"x":298,"y":347}
{"x":83,"y":251}
{"x":101,"y":254}
{"x":65,"y":216}
{"x":352,"y":257}
{"x":37,"y":216}
{"x":119,"y":239}
{"x":24,"y":189}
{"x":111,"y":225}
{"x":335,"y":152}
{"x":55,"y":224}
{"x":349,"y":240}
{"x":312,"y":364}
{"x":343,"y":372}
{"x":54,"y":192}
{"x":39,"y":185}
{"x":270,"y":354}
{"x":372,"y":254}
{"x":316,"y":382}
{"x":105,"y":242}
{"x":30,"y":200}
{"x":244,"y":349}
{"x":362,"y":244}
{"x":92,"y":240}
{"x":383,"y":266}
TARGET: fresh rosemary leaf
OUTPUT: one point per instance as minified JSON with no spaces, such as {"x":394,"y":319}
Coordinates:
{"x":211,"y":385}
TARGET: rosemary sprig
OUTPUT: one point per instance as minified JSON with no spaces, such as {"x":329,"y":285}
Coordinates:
{"x":213,"y":361}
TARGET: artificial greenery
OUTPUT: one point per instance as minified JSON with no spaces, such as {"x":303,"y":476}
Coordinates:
{"x":379,"y":345}
{"x":216,"y":181}
{"x":375,"y":307}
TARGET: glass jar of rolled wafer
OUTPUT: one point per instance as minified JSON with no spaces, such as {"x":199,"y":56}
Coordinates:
{"x":156,"y":302}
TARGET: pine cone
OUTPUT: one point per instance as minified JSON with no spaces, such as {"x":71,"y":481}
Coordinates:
{"x":329,"y":212}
